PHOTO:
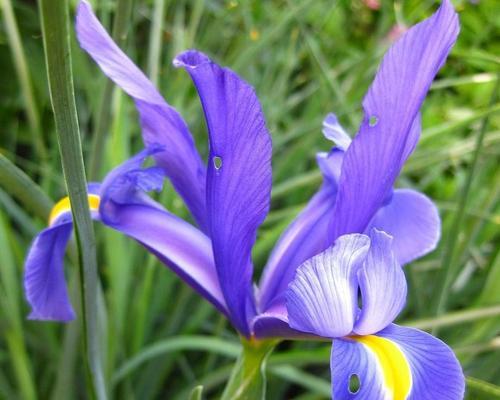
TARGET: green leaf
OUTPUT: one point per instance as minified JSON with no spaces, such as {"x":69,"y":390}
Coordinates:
{"x":55,"y":29}
{"x":196,"y":393}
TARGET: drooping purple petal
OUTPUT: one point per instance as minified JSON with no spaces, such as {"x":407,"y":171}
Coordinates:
{"x":436,"y":372}
{"x":306,"y":236}
{"x":44,"y":282}
{"x":382,"y":284}
{"x":322,"y":298}
{"x":350,"y":358}
{"x":161,"y":124}
{"x":180,"y":246}
{"x":238,"y":178}
{"x":376,"y":155}
{"x":413,"y":221}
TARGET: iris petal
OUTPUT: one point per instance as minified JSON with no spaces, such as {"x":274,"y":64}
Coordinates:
{"x":44,"y":281}
{"x":436,"y":372}
{"x":161,"y":123}
{"x":322,"y":298}
{"x":382,"y":284}
{"x":238,"y":179}
{"x":305,"y":237}
{"x":179,"y":245}
{"x":412,"y":219}
{"x":388,"y":132}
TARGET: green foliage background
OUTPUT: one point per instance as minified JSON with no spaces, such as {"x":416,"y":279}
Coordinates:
{"x":305,"y":59}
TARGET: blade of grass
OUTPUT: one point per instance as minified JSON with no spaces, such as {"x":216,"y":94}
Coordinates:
{"x":448,"y":269}
{"x":19,"y":185}
{"x":155,"y":41}
{"x":21,"y":67}
{"x":55,"y":29}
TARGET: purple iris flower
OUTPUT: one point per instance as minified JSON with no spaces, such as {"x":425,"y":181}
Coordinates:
{"x":229,"y":198}
{"x":390,"y":361}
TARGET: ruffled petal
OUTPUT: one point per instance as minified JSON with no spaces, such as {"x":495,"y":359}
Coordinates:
{"x":44,"y":282}
{"x":413,"y":221}
{"x":382,"y":284}
{"x":436,"y":372}
{"x":180,"y":246}
{"x":387,"y":134}
{"x":322,"y":298}
{"x":306,"y":236}
{"x":161,"y":124}
{"x":335,"y":132}
{"x":238,"y":179}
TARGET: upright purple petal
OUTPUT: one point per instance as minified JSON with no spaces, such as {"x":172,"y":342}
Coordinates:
{"x":306,"y":236}
{"x":322,"y":298}
{"x":388,"y":132}
{"x":239,"y":175}
{"x":180,"y":246}
{"x":436,"y":372}
{"x":44,"y":282}
{"x":161,"y":124}
{"x":412,"y":219}
{"x":382,"y":284}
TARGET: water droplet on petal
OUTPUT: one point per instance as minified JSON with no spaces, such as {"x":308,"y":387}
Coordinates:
{"x":217,"y":162}
{"x":373,"y":120}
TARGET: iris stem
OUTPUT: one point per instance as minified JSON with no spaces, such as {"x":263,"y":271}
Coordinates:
{"x":120,"y":28}
{"x":447,"y":267}
{"x":248,"y":379}
{"x":56,"y":39}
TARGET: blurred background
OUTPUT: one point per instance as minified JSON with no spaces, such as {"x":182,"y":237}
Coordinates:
{"x":305,"y":59}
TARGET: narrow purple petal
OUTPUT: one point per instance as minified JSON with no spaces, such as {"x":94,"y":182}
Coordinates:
{"x":436,"y":372}
{"x":322,"y":298}
{"x":413,"y":221}
{"x":239,"y":175}
{"x":306,"y":236}
{"x":350,"y":358}
{"x":382,"y":284}
{"x":44,"y":282}
{"x":390,"y":126}
{"x":160,"y":122}
{"x":180,"y":246}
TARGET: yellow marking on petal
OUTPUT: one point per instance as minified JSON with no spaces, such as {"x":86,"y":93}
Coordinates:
{"x":392,"y":361}
{"x":64,"y":205}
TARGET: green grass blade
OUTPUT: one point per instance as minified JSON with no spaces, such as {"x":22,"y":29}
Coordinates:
{"x":19,"y":59}
{"x":447,"y":267}
{"x":55,"y":28}
{"x":19,"y":185}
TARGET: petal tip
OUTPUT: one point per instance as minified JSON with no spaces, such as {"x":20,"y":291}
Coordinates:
{"x":191,"y":59}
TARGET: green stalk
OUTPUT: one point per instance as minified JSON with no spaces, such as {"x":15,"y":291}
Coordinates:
{"x":21,"y":67}
{"x":155,"y":41}
{"x":119,"y":34}
{"x":19,"y":185}
{"x":56,"y":39}
{"x":447,"y":267}
{"x":248,"y":379}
